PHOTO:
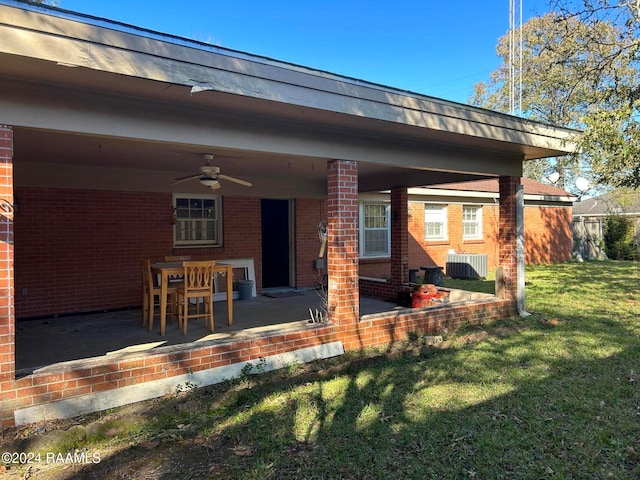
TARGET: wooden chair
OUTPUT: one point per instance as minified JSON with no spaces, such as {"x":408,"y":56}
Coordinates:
{"x":198,"y":283}
{"x":150,"y":290}
{"x":175,"y":279}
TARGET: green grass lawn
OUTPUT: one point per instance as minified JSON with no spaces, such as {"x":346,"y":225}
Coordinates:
{"x":488,"y":285}
{"x":555,"y":395}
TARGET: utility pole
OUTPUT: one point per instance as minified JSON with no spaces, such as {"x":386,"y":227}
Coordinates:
{"x":515,"y":57}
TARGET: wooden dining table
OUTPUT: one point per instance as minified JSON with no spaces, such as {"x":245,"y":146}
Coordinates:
{"x":167,"y":270}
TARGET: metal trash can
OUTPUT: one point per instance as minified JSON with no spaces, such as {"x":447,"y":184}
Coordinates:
{"x":413,"y":275}
{"x":245,"y":289}
{"x":433,"y":275}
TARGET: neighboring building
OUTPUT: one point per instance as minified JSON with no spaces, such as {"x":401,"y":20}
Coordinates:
{"x":463,"y":218}
{"x":589,"y":218}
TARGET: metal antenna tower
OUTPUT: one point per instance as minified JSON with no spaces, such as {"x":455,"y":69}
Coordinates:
{"x":515,"y":56}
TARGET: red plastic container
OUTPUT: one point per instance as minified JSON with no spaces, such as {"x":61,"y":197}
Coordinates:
{"x":427,"y":295}
{"x":423,"y":299}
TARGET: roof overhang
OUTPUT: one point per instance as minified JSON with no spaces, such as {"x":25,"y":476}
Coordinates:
{"x":94,"y":94}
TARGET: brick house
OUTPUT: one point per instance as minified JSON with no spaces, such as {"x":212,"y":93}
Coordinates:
{"x":463,"y":217}
{"x":98,"y":119}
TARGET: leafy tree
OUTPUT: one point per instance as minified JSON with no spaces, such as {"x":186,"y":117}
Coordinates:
{"x":577,"y":72}
{"x":612,"y":136}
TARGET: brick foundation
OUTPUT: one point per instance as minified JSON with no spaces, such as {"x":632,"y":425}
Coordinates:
{"x":81,"y":379}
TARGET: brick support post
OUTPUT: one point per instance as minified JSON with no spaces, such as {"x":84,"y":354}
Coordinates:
{"x":507,"y":235}
{"x":342,"y":245}
{"x":7,"y":311}
{"x":399,"y":237}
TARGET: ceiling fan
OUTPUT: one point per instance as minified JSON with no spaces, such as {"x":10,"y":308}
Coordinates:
{"x":209,"y":175}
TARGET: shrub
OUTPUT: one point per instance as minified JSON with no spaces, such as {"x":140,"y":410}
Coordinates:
{"x":618,"y":238}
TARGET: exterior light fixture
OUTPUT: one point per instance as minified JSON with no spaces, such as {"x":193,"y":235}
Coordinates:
{"x":212,"y":183}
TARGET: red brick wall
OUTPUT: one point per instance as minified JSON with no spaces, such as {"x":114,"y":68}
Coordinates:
{"x":90,"y":244}
{"x":547,"y":234}
{"x":7,"y":311}
{"x":80,"y":250}
{"x":375,"y":267}
{"x":371,"y":287}
{"x":308,"y":214}
{"x":424,"y":253}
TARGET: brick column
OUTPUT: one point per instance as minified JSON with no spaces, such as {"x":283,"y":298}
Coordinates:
{"x":342,"y":242}
{"x":399,"y":238}
{"x":507,"y":235}
{"x":7,"y":313}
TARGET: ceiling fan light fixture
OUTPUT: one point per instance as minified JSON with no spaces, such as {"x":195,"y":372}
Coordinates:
{"x":212,"y":183}
{"x":210,"y":176}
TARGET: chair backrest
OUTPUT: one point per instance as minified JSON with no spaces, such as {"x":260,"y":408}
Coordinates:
{"x":147,"y":277}
{"x":198,"y":275}
{"x":177,"y":258}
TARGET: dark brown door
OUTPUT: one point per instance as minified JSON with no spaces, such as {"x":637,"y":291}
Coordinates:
{"x":275,"y":243}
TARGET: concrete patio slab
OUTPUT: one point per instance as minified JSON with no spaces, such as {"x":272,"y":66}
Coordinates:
{"x":45,"y":341}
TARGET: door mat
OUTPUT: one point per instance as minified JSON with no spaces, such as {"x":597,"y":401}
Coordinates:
{"x":281,"y":294}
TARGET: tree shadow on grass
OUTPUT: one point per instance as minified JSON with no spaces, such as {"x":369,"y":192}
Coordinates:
{"x":550,"y":397}
{"x":433,"y":415}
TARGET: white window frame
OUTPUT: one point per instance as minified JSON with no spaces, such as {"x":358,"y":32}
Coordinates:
{"x":472,"y":221}
{"x":439,"y":214}
{"x":364,"y":229}
{"x":197,"y":219}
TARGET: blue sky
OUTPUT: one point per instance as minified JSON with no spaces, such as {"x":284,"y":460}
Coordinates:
{"x":434,"y":47}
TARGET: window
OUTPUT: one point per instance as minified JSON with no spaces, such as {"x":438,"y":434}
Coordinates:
{"x":435,"y":222}
{"x":375,"y":234}
{"x":197,"y":220}
{"x":471,"y":223}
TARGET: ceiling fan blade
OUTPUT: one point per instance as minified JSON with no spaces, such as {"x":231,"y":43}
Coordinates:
{"x":184,"y":179}
{"x":235,"y":180}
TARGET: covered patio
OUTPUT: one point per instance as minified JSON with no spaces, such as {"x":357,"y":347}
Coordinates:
{"x":82,"y":336}
{"x":98,"y":120}
{"x":102,"y":334}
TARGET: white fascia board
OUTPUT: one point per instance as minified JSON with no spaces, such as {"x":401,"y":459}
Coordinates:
{"x":605,"y":215}
{"x":436,"y":192}
{"x":552,"y":198}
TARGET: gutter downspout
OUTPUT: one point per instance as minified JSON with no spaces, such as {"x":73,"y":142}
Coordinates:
{"x":520,"y":251}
